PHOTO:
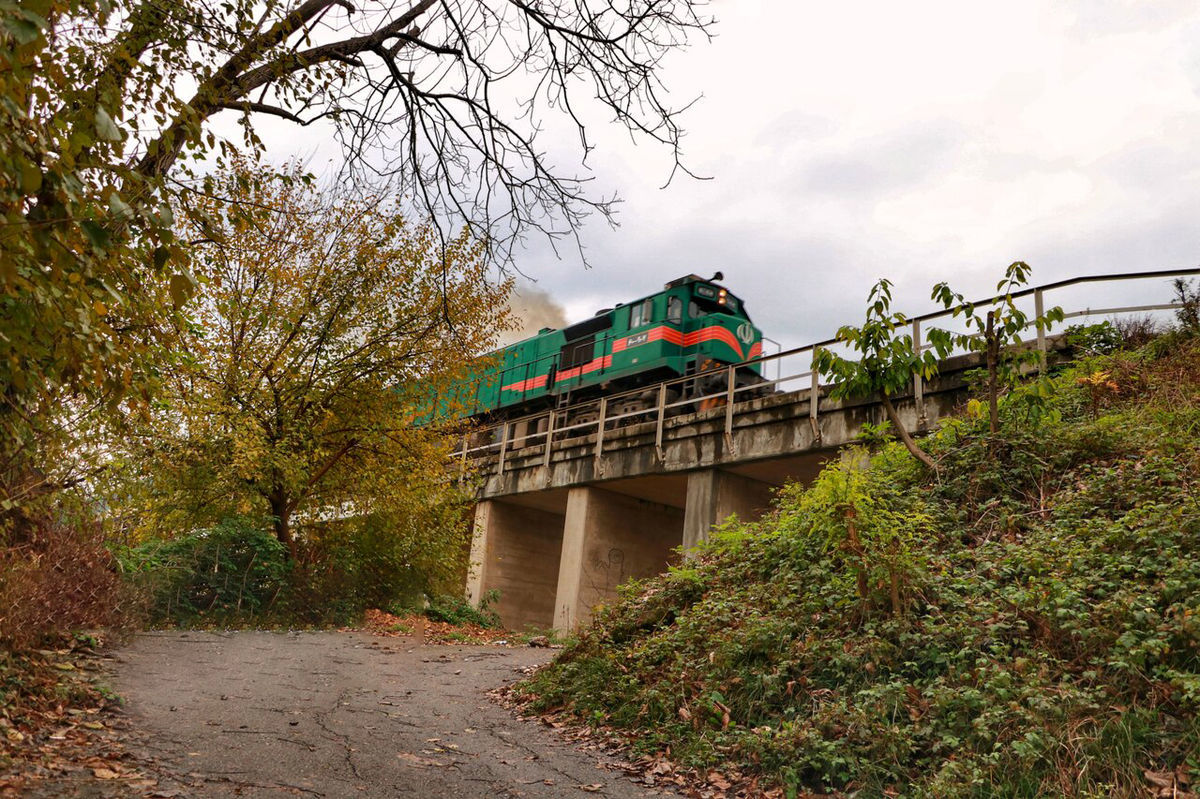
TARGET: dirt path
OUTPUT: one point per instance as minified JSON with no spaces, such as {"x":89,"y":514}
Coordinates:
{"x":258,"y":714}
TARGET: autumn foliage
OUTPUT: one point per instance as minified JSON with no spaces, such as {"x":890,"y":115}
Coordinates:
{"x":325,"y":323}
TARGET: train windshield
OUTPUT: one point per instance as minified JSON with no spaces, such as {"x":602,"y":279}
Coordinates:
{"x":702,"y":305}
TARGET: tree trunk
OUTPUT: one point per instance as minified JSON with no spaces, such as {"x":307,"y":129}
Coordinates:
{"x":993,"y":358}
{"x":283,"y":524}
{"x":907,"y":440}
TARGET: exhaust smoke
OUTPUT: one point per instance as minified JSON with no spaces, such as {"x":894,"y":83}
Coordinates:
{"x":533,"y":309}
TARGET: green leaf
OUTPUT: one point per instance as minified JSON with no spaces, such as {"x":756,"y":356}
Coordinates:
{"x":182,"y":286}
{"x":24,"y":31}
{"x":31,"y":177}
{"x":161,"y":256}
{"x":36,"y":11}
{"x":106,"y":129}
{"x":119,"y":207}
{"x":96,"y":233}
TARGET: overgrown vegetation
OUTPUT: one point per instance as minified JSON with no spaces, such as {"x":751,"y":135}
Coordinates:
{"x":236,"y":568}
{"x":1023,"y":622}
{"x":457,"y":610}
{"x":238,"y":573}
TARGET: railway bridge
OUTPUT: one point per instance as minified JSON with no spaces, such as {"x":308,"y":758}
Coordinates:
{"x":558,"y":528}
{"x":573,"y":502}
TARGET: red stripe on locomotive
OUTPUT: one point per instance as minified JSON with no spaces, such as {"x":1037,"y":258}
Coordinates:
{"x":660,"y":333}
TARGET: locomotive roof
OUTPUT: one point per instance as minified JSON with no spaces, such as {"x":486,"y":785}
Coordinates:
{"x":686,"y":280}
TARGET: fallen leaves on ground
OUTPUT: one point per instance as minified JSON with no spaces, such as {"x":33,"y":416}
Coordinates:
{"x":1174,"y":784}
{"x":653,"y":771}
{"x":60,"y":728}
{"x":414,"y":625}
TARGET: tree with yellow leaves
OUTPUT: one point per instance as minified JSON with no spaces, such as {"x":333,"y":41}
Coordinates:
{"x":324,"y":322}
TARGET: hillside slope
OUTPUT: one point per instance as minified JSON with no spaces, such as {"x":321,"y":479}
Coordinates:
{"x":1024,"y":623}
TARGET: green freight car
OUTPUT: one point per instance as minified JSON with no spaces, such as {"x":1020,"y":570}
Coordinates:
{"x":691,"y":327}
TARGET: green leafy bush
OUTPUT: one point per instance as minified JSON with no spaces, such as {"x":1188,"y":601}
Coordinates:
{"x":379,"y":561}
{"x":1102,"y":338}
{"x":456,"y":610}
{"x":1024,"y":622}
{"x":234,"y":569}
{"x":239,"y":571}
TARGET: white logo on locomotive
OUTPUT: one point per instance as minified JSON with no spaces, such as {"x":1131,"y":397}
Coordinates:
{"x":745,"y":332}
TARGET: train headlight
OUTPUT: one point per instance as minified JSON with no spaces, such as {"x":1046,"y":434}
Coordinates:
{"x":721,"y":296}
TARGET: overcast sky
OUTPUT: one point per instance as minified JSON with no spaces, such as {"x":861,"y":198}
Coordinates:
{"x":920,"y":141}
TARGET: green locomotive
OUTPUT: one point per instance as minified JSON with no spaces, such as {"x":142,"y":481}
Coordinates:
{"x":691,"y":327}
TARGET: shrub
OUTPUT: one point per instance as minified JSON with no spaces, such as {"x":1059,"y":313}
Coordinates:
{"x":456,"y":610}
{"x":234,"y":569}
{"x":1187,"y":293}
{"x":1136,"y":331}
{"x":1099,"y":339}
{"x":378,"y":561}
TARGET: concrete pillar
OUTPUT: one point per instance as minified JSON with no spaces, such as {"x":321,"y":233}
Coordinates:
{"x":515,"y":549}
{"x":714,"y":495}
{"x":609,"y":538}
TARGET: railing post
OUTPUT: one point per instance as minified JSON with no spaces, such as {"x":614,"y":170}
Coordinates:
{"x":814,"y":398}
{"x":918,"y":381}
{"x":662,"y":412}
{"x":1038,"y":310}
{"x":599,"y":468}
{"x":462,"y":462}
{"x":549,"y":437}
{"x":503,"y":446}
{"x":730,"y":396}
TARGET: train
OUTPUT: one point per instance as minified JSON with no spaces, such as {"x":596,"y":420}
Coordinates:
{"x":692,"y":327}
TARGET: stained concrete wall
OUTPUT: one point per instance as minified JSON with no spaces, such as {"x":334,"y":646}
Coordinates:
{"x":516,"y":550}
{"x":713,"y":495}
{"x":609,"y":538}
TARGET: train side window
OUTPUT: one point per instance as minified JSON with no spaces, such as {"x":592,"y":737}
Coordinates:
{"x":640,"y":314}
{"x":674,"y":309}
{"x":694,"y":310}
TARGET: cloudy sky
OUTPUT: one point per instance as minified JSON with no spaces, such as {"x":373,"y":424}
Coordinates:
{"x":919,"y":141}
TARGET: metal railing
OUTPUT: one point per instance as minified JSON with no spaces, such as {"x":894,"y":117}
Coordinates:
{"x":574,"y":425}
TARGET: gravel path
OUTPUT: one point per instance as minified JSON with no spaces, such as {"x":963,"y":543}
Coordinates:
{"x":338,"y":714}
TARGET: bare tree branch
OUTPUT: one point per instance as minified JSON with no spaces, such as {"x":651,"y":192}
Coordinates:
{"x":445,"y":100}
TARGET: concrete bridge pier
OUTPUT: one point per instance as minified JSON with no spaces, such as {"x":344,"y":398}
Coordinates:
{"x":515,"y":549}
{"x":555,"y":555}
{"x":713,"y":495}
{"x":609,"y":538}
